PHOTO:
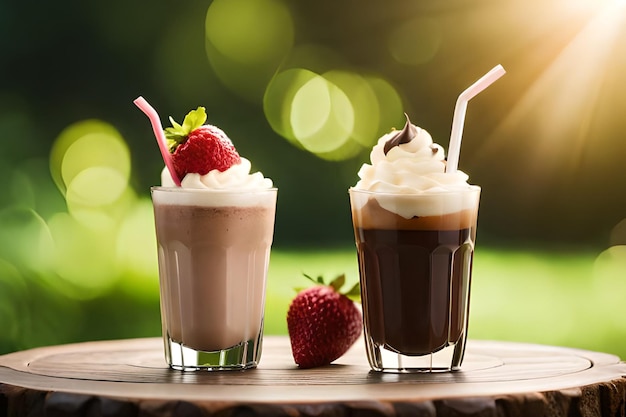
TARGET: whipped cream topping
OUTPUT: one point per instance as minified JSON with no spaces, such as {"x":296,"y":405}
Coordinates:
{"x":409,"y":163}
{"x":235,"y":178}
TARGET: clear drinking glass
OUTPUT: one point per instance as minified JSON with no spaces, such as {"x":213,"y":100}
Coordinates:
{"x":415,"y":277}
{"x":213,"y":251}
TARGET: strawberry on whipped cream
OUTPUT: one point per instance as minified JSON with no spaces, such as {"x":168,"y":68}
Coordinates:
{"x":205,"y":158}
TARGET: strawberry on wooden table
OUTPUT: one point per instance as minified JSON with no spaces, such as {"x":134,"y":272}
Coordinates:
{"x":199,"y":148}
{"x":323,"y":323}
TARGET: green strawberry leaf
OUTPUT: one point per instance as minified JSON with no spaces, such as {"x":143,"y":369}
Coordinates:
{"x":313,"y":280}
{"x":177,"y":134}
{"x":176,"y":127}
{"x":338,"y":282}
{"x":317,"y":281}
{"x":354,"y":293}
{"x":194,"y":119}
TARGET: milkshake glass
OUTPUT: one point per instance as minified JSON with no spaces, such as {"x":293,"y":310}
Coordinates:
{"x":213,"y":251}
{"x":415,"y":279}
{"x":415,"y":228}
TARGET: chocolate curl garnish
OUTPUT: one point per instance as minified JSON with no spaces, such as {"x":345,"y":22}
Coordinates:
{"x":406,"y":135}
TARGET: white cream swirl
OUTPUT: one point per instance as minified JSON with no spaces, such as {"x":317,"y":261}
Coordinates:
{"x":235,"y":178}
{"x":416,"y":167}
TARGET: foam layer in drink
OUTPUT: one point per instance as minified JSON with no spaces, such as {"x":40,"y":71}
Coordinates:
{"x":213,"y":262}
{"x":369,"y":214}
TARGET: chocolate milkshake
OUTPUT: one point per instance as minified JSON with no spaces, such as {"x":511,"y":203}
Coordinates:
{"x":415,"y":229}
{"x":213,"y":261}
{"x":214,"y":222}
{"x":213,"y":250}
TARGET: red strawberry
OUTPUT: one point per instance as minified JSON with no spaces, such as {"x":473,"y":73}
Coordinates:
{"x":199,"y":148}
{"x":323,"y":323}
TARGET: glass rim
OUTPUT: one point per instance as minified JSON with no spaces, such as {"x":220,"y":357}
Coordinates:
{"x":161,"y":188}
{"x":469,"y":189}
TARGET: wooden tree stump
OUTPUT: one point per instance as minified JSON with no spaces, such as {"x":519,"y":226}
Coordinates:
{"x":130,"y":378}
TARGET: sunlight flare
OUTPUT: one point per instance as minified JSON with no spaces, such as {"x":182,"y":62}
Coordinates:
{"x":563,"y":99}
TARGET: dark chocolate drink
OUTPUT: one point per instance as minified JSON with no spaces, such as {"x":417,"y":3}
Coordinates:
{"x":414,"y":224}
{"x":415,"y":273}
{"x":415,"y":285}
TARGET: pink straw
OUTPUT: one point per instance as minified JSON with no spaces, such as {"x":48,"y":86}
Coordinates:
{"x":454,"y":149}
{"x":158,"y":133}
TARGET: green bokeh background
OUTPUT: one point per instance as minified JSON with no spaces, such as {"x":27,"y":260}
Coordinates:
{"x":304,"y":89}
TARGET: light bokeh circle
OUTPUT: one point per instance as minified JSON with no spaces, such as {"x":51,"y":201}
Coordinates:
{"x":322,"y":116}
{"x":249,"y":32}
{"x":245,"y":42}
{"x":86,"y":144}
{"x":335,"y":115}
{"x":96,"y":186}
{"x":278,"y":99}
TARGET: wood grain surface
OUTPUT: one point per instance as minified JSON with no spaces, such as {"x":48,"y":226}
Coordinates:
{"x":130,"y":378}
